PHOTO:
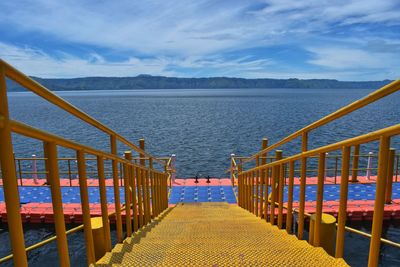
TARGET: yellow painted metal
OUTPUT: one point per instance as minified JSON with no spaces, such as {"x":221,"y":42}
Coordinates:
{"x":10,"y":185}
{"x":251,"y":192}
{"x":151,"y":179}
{"x":372,"y":97}
{"x":53,"y":175}
{"x":87,"y":225}
{"x":257,"y":184}
{"x":266,"y":202}
{"x":117,"y":199}
{"x":273,"y":194}
{"x":303,"y":177}
{"x":103,"y":202}
{"x":320,"y":197}
{"x":147,"y":194}
{"x":389,"y":185}
{"x":343,"y":202}
{"x":46,"y":163}
{"x":140,"y":194}
{"x":327,"y":232}
{"x":354,"y":173}
{"x":128,"y":218}
{"x":376,"y":233}
{"x":264,"y":145}
{"x":280,"y":194}
{"x":289,"y":216}
{"x":43,"y":243}
{"x":51,"y":142}
{"x":214,"y":234}
{"x":98,"y":237}
{"x":48,"y":95}
{"x":361,"y":139}
{"x":134,"y":198}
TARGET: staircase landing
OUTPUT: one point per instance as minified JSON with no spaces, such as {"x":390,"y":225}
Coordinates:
{"x":214,"y":234}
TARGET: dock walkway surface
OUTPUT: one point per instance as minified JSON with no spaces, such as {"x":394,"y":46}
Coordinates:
{"x":36,"y":204}
{"x":214,"y":234}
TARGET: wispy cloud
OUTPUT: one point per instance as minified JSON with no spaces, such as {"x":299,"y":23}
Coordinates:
{"x":340,"y":39}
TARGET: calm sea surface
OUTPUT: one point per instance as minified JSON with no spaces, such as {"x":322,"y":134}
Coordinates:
{"x":202,"y":127}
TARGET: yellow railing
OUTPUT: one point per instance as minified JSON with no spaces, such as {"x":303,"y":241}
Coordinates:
{"x":146,"y":193}
{"x":251,"y":182}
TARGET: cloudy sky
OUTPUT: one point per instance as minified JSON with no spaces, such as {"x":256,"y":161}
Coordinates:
{"x":345,"y":40}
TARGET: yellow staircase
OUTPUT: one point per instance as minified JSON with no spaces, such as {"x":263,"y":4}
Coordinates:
{"x":214,"y":234}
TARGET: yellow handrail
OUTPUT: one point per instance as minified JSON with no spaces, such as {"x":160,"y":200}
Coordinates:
{"x":372,"y":97}
{"x":45,"y":93}
{"x":274,"y":173}
{"x":136,"y":177}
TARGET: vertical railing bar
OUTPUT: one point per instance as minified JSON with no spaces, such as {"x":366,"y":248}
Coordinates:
{"x":140,"y":196}
{"x":252,"y":191}
{"x":133,"y":184}
{"x":10,"y":183}
{"x":257,"y":181}
{"x":69,"y":172}
{"x":273,"y":195}
{"x":280,"y":201}
{"x":373,"y":259}
{"x":356,"y":155}
{"x":303,"y":177}
{"x":343,"y":202}
{"x":103,"y":201}
{"x":117,"y":200}
{"x":389,"y":183}
{"x":266,"y":202}
{"x":54,"y":177}
{"x":148,"y":212}
{"x":320,"y":197}
{"x":289,"y":216}
{"x":87,"y":224}
{"x":20,"y":172}
{"x":128,"y":220}
{"x":152,"y":187}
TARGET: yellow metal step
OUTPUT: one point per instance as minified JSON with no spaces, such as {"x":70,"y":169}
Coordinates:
{"x":214,"y":234}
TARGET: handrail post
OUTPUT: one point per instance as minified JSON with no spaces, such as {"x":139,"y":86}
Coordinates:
{"x":369,"y":165}
{"x":232,"y":169}
{"x":356,"y":156}
{"x":103,"y":201}
{"x":289,"y":216}
{"x":128,"y":220}
{"x":264,"y":145}
{"x":54,"y":177}
{"x":389,"y":185}
{"x":280,"y":199}
{"x":87,"y":223}
{"x":117,"y":199}
{"x":173,"y":167}
{"x":46,"y":163}
{"x":10,"y":185}
{"x":153,"y":213}
{"x":303,"y":177}
{"x":320,"y":198}
{"x":377,"y":219}
{"x":257,"y":184}
{"x":343,"y":202}
{"x":34,"y":169}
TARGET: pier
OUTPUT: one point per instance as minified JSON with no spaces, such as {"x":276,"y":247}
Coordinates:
{"x":257,"y":215}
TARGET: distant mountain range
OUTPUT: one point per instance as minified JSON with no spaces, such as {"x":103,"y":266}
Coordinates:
{"x":160,"y":82}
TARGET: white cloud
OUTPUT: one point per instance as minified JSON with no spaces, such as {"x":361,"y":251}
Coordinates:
{"x":194,"y":35}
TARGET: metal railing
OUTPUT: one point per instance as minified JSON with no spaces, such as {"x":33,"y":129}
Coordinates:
{"x":146,"y":189}
{"x":253,"y":183}
{"x":332,"y":173}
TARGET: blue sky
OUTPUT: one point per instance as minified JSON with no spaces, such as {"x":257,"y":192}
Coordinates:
{"x":345,"y":40}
